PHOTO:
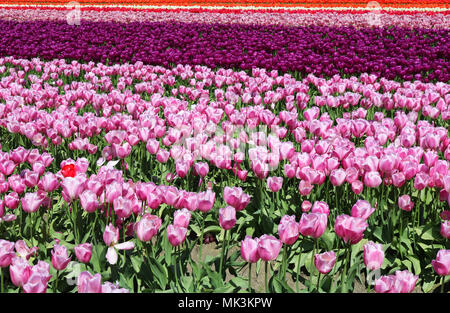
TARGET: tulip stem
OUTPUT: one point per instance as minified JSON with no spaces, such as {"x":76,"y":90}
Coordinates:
{"x":249,"y":277}
{"x":344,"y":276}
{"x":224,"y":246}
{"x":318,"y":282}
{"x":265,"y":276}
{"x":56,"y":281}
{"x":442,"y":284}
{"x":312,"y":265}
{"x":201,"y":240}
{"x":400,"y":235}
{"x":298,"y":265}
{"x":284,"y":267}
{"x":1,"y":274}
{"x":175,"y":264}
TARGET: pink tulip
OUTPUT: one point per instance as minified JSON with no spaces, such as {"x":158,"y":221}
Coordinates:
{"x":337,"y":177}
{"x":445,"y":229}
{"x":111,"y":239}
{"x":152,"y":146}
{"x":236,"y":197}
{"x":6,"y":253}
{"x":23,"y":250}
{"x":123,"y":207}
{"x":421,"y":181}
{"x":110,"y":235}
{"x":363,"y":209}
{"x":288,"y":229}
{"x":31,"y":202}
{"x":306,"y":206}
{"x":16,"y":183}
{"x":182,"y":218}
{"x":60,"y":257}
{"x":182,"y":168}
{"x":405,"y":282}
{"x":83,"y":252}
{"x":372,"y":179}
{"x":37,"y":282}
{"x":227,"y":217}
{"x":12,"y":200}
{"x":305,"y":187}
{"x":373,"y":255}
{"x":72,"y":187}
{"x":350,"y":229}
{"x":206,"y":200}
{"x":357,"y":186}
{"x":442,"y":263}
{"x":19,"y":271}
{"x":49,"y":182}
{"x":274,"y":183}
{"x":88,"y":283}
{"x":385,"y":284}
{"x":108,"y":287}
{"x":89,"y":201}
{"x":249,"y":249}
{"x":313,"y":224}
{"x":405,"y":203}
{"x":324,"y":262}
{"x":147,"y":227}
{"x":201,"y":168}
{"x":176,"y":234}
{"x":320,"y":207}
{"x":269,"y":247}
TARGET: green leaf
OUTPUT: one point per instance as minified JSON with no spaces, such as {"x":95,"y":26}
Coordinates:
{"x":239,"y":282}
{"x":136,"y":261}
{"x":416,"y":264}
{"x":159,"y":271}
{"x":378,"y":233}
{"x":188,"y":283}
{"x":427,"y":286}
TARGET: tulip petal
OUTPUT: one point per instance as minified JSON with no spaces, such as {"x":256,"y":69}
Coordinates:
{"x":111,"y":256}
{"x":125,"y":246}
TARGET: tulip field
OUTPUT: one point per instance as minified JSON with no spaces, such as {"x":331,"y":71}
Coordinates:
{"x":250,"y":147}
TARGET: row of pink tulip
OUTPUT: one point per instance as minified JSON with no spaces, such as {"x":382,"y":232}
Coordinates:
{"x":413,"y":20}
{"x":200,"y":132}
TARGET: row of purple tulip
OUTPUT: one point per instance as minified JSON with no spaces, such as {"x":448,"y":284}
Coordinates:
{"x":420,"y":54}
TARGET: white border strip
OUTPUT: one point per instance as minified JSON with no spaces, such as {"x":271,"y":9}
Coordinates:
{"x":212,"y":8}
